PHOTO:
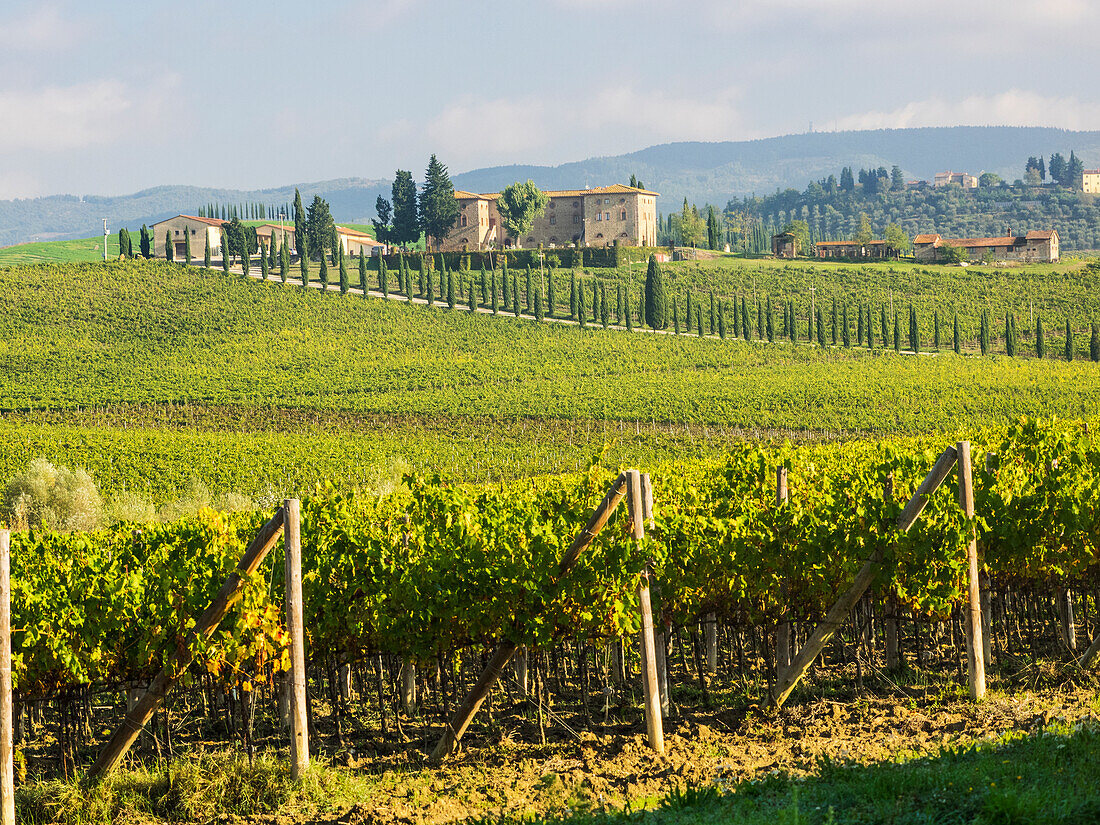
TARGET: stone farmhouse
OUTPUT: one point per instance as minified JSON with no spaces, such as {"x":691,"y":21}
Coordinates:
{"x":1031,"y":247}
{"x":1090,"y":182}
{"x":179,"y":227}
{"x":962,"y":179}
{"x":589,"y":217}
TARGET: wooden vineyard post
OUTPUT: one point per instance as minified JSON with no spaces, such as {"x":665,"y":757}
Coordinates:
{"x":892,"y":658}
{"x":710,"y":636}
{"x":783,"y":631}
{"x":838,"y":613}
{"x":974,"y":647}
{"x":465,"y":712}
{"x":660,"y":636}
{"x":7,"y":757}
{"x":295,"y":609}
{"x":647,"y":645}
{"x":177,"y":663}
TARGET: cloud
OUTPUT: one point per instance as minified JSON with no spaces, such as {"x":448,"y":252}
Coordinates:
{"x":64,"y":118}
{"x":376,"y":13}
{"x":42,"y":28}
{"x":1015,"y":107}
{"x":472,"y":131}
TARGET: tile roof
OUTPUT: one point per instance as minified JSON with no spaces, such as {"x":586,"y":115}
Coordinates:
{"x":343,"y":230}
{"x":848,"y":243}
{"x":614,"y":189}
{"x":926,"y":238}
{"x":207,"y":221}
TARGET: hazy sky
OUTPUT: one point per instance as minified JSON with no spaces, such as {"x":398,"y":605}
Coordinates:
{"x":110,"y":97}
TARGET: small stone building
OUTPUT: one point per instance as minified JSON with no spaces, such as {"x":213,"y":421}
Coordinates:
{"x":179,"y":228}
{"x":851,"y":249}
{"x":785,"y":245}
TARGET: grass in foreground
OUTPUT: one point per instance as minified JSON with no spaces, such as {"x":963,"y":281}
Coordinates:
{"x":1052,"y":777}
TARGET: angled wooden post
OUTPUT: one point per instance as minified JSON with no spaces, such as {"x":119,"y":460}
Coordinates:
{"x":295,"y":610}
{"x":178,"y":662}
{"x":7,"y":756}
{"x":465,"y":713}
{"x":838,"y":613}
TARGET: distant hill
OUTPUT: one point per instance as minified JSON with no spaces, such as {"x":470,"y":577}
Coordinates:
{"x":702,"y":172}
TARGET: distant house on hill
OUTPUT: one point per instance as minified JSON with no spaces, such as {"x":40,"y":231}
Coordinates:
{"x":182,"y":226}
{"x":589,"y":217}
{"x":1090,"y":182}
{"x":1031,"y":247}
{"x":959,"y":178}
{"x":265,"y":232}
{"x":852,"y":249}
{"x":785,"y":245}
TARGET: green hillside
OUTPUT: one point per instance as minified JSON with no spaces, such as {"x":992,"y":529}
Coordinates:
{"x":82,"y":250}
{"x":152,"y":374}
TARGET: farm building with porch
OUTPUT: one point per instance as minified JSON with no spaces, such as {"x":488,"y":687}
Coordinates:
{"x":179,"y":228}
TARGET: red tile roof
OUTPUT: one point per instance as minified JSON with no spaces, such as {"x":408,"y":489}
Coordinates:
{"x":614,"y":189}
{"x":207,"y":221}
{"x":926,"y":238}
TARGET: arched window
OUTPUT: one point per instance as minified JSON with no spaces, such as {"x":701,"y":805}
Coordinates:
{"x":464,"y":220}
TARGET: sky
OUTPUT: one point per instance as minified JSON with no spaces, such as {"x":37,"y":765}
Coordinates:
{"x":109,"y":98}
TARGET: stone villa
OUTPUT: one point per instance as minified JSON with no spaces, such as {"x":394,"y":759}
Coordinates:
{"x":1031,"y":247}
{"x":590,"y":217}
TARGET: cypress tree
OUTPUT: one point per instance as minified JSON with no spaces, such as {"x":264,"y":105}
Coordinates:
{"x":573,"y":295}
{"x":452,"y":299}
{"x":471,"y":296}
{"x":605,"y":313}
{"x":759,"y":320}
{"x":529,"y":295}
{"x":770,"y":320}
{"x":187,"y":244}
{"x":421,"y":274}
{"x":885,"y":329}
{"x":515,"y":294}
{"x":536,"y":299}
{"x":263,"y":262}
{"x":595,"y":302}
{"x":505,"y":285}
{"x":914,"y":336}
{"x":245,"y":259}
{"x":713,"y":315}
{"x":271,"y":252}
{"x":859,"y":326}
{"x":641,"y":308}
{"x":1094,"y":343}
{"x":122,"y":242}
{"x":551,"y":293}
{"x":626,"y":307}
{"x":169,"y":251}
{"x":303,"y":264}
{"x":1040,"y":341}
{"x":675,"y":316}
{"x":746,"y":332}
{"x":846,"y":332}
{"x":985,"y":332}
{"x":582,"y":307}
{"x":1070,"y":350}
{"x":699,"y":320}
{"x":722,"y":320}
{"x":363,"y":273}
{"x":206,"y":253}
{"x":1010,"y":334}
{"x":284,"y":261}
{"x":792,"y":327}
{"x":493,"y":291}
{"x":936,"y":336}
{"x":834,"y":321}
{"x":656,"y":301}
{"x":225,"y":253}
{"x":868,"y":334}
{"x":820,"y":328}
{"x":897,"y":333}
{"x":810,"y":324}
{"x":620,"y":302}
{"x":484,"y":283}
{"x":323,"y":274}
{"x":957,"y":336}
{"x":383,"y":277}
{"x":430,"y":285}
{"x":689,"y":311}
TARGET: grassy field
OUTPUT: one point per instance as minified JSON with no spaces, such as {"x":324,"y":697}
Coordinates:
{"x":82,"y":250}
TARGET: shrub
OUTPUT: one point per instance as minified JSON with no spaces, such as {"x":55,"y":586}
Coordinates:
{"x":52,"y":498}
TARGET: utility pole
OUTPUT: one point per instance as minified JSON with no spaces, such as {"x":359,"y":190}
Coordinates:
{"x":104,"y":240}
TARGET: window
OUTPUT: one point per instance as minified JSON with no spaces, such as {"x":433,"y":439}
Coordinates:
{"x":492,"y":222}
{"x":622,"y":200}
{"x":607,"y":200}
{"x":576,"y":219}
{"x":192,"y":231}
{"x":599,"y":216}
{"x":622,"y":215}
{"x":553,"y":219}
{"x":607,"y":216}
{"x":464,"y":220}
{"x":176,"y":233}
{"x":576,"y":204}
